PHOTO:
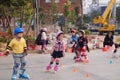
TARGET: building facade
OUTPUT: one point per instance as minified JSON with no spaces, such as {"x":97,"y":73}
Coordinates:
{"x":86,"y":6}
{"x":46,"y":4}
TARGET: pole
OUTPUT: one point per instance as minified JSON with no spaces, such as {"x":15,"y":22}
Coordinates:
{"x":81,"y":9}
{"x":36,"y":18}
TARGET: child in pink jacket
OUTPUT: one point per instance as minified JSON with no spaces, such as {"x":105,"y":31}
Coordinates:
{"x":58,"y":51}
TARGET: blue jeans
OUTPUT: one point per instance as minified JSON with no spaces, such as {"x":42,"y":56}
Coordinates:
{"x":19,"y":59}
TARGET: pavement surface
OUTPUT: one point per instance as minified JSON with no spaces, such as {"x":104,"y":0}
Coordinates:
{"x":100,"y":67}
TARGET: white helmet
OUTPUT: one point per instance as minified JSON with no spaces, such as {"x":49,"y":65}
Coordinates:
{"x":82,"y":31}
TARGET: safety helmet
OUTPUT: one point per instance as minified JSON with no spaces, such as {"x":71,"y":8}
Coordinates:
{"x":58,"y":33}
{"x":82,"y":31}
{"x":45,"y":29}
{"x":74,"y":31}
{"x":18,"y":30}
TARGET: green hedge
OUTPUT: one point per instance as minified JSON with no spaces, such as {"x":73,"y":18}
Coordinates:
{"x":3,"y":39}
{"x":87,"y":31}
{"x":30,"y":40}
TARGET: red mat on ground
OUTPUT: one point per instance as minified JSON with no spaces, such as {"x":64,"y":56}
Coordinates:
{"x":2,"y":54}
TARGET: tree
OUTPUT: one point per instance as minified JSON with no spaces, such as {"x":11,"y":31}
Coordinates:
{"x":66,"y":12}
{"x":41,"y":16}
{"x":54,"y":11}
{"x":5,"y":16}
{"x":118,"y":14}
{"x":28,"y":11}
{"x":77,"y":8}
{"x":73,"y":16}
{"x":86,"y":18}
{"x":21,"y":6}
{"x":14,"y":9}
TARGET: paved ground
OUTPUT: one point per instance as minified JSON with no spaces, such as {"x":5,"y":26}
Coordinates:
{"x":100,"y":67}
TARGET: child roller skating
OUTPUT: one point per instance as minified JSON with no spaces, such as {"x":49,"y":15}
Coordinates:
{"x":58,"y":51}
{"x":81,"y":47}
{"x":18,"y":45}
{"x":108,"y":42}
{"x":74,"y":38}
{"x":44,"y":39}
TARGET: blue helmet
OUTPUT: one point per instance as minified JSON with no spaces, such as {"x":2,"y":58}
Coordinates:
{"x":18,"y":30}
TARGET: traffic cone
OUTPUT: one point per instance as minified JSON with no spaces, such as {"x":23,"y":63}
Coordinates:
{"x":87,"y":75}
{"x":104,"y":49}
{"x":68,"y":49}
{"x":75,"y":70}
{"x":32,"y":47}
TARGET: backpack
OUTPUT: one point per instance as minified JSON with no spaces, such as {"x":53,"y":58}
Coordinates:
{"x":38,"y":40}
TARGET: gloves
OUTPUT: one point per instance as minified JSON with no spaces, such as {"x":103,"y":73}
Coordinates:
{"x":6,"y":53}
{"x":25,"y":51}
{"x":84,"y":47}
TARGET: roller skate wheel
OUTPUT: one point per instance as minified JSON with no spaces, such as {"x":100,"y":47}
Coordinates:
{"x":55,"y":72}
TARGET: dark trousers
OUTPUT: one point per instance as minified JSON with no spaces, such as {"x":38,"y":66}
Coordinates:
{"x":107,"y":43}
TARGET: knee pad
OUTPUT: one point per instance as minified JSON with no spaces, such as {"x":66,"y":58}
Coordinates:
{"x":51,"y":62}
{"x":83,"y":55}
{"x":23,"y":63}
{"x":57,"y":60}
{"x":16,"y":65}
{"x":57,"y":63}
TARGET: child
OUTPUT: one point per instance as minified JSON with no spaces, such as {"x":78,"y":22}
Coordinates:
{"x":18,"y":45}
{"x":108,"y":41}
{"x":44,"y":38}
{"x":73,"y":39}
{"x":57,"y":52}
{"x":81,"y":47}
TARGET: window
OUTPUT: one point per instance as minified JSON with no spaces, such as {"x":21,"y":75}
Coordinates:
{"x":56,"y":1}
{"x":49,"y":1}
{"x":73,"y":1}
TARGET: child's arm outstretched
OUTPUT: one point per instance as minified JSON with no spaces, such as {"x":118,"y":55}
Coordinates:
{"x":8,"y":48}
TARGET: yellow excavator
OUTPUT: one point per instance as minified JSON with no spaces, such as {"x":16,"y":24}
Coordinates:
{"x":104,"y":20}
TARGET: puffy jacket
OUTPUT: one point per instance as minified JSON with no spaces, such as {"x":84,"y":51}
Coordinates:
{"x":58,"y":46}
{"x":74,"y":39}
{"x":108,"y":39}
{"x":82,"y":41}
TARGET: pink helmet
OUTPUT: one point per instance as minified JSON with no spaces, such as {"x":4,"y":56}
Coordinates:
{"x":58,"y":33}
{"x":44,"y":29}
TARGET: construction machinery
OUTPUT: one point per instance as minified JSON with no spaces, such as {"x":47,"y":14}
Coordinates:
{"x":106,"y":21}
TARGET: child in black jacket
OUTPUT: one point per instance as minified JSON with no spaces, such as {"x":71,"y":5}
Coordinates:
{"x":108,"y":41}
{"x":81,"y":47}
